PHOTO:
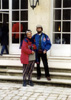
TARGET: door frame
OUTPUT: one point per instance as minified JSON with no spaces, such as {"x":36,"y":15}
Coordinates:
{"x":13,"y":48}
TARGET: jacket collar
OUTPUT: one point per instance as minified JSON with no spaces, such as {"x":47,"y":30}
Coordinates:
{"x":41,"y":33}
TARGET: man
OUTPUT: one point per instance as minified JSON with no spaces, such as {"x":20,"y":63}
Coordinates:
{"x":43,"y":45}
{"x":4,"y":38}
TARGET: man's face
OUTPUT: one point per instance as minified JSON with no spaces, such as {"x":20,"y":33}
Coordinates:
{"x":39,"y":29}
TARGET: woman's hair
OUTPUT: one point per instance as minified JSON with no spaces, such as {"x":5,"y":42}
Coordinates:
{"x":28,"y":31}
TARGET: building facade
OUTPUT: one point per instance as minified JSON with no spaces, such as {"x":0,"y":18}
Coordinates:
{"x":53,"y":15}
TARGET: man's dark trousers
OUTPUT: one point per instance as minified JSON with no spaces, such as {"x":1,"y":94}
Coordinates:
{"x":45,"y":63}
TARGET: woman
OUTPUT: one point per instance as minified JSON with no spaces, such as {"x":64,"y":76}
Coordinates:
{"x":28,"y":48}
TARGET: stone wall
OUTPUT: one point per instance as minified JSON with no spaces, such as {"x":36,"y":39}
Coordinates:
{"x":40,"y":15}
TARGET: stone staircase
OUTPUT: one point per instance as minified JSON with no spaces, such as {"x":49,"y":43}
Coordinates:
{"x":60,"y":70}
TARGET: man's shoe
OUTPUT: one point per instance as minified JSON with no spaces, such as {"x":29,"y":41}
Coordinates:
{"x":30,"y":83}
{"x":24,"y":83}
{"x":48,"y":78}
{"x":38,"y":77}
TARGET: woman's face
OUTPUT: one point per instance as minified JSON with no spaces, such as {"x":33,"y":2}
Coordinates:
{"x":29,"y":35}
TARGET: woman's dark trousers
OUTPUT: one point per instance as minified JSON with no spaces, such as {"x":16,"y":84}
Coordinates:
{"x":27,"y":70}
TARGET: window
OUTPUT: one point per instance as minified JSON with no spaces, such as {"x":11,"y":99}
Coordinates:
{"x":15,"y":15}
{"x":6,"y":18}
{"x":24,"y":4}
{"x":57,"y":4}
{"x":15,"y":4}
{"x":66,"y":3}
{"x":62,"y":22}
{"x":4,"y":4}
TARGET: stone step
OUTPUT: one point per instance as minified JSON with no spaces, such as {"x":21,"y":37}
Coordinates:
{"x":17,"y":66}
{"x":34,"y":72}
{"x":60,"y":62}
{"x":20,"y":73}
{"x":42,"y":80}
{"x":54,"y":62}
{"x":11,"y":67}
{"x":12,"y":56}
{"x":42,"y":69}
{"x":11,"y":72}
{"x":50,"y":57}
{"x":53,"y":81}
{"x":55,"y":75}
{"x":60,"y":70}
{"x":59,"y":58}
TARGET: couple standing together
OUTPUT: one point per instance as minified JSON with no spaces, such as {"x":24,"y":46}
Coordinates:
{"x":36,"y":45}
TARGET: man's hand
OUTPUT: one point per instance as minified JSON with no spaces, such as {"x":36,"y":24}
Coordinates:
{"x":33,"y":52}
{"x":44,"y":51}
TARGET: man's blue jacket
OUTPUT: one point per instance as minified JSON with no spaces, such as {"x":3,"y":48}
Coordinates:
{"x":45,"y":41}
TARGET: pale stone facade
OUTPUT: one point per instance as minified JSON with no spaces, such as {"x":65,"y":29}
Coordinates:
{"x":40,"y":15}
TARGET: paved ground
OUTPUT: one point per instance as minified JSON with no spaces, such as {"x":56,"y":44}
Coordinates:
{"x":9,"y":91}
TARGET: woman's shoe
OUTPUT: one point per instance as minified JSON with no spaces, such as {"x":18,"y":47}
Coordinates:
{"x":30,"y":83}
{"x":24,"y":83}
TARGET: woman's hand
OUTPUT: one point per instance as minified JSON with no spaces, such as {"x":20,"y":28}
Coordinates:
{"x":33,"y":52}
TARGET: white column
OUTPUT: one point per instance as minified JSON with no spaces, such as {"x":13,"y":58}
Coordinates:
{"x":10,"y":24}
